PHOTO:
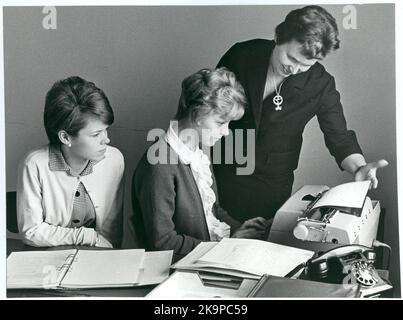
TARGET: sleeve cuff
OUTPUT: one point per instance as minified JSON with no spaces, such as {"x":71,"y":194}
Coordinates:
{"x":90,"y":237}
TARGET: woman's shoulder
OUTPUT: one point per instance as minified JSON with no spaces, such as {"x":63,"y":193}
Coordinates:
{"x":159,"y":160}
{"x":36,"y":156}
{"x":319,"y":72}
{"x":318,"y":78}
{"x":114,"y":153}
{"x":256,"y":43}
{"x":253,"y":47}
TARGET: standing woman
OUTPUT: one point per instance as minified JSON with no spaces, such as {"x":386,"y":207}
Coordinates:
{"x":70,"y":192}
{"x":174,"y":193}
{"x":286,"y":86}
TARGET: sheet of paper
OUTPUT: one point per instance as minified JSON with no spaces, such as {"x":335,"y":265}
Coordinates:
{"x":188,"y":285}
{"x":192,"y":262}
{"x":346,"y":195}
{"x":104,"y":268}
{"x":255,"y":256}
{"x":195,"y":254}
{"x":222,"y":284}
{"x":218,"y":277}
{"x":155,"y":267}
{"x":36,"y":269}
{"x":214,"y":268}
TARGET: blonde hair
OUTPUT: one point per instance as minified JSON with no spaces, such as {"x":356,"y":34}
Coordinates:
{"x":209,"y":91}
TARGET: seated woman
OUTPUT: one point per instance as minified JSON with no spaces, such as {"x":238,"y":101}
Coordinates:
{"x":174,"y":194}
{"x":70,"y":192}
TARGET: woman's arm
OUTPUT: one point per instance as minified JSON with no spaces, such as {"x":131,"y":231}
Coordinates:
{"x":223,"y":216}
{"x":154,"y":188}
{"x":112,"y":228}
{"x":33,"y":229}
{"x":340,"y":141}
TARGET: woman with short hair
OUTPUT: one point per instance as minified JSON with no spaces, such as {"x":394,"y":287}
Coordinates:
{"x":70,"y":192}
{"x":174,"y":193}
{"x":286,"y":86}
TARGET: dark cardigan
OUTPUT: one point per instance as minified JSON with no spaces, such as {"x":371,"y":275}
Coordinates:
{"x":167,"y":207}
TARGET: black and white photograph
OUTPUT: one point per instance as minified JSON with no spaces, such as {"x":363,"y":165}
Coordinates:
{"x":200,"y":150}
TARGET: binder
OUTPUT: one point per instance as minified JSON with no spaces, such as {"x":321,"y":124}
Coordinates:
{"x":86,"y":268}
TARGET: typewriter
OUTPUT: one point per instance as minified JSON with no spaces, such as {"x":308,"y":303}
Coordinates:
{"x":320,"y":218}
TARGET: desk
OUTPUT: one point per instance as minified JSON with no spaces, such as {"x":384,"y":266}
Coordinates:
{"x":139,"y":292}
{"x":18,"y":245}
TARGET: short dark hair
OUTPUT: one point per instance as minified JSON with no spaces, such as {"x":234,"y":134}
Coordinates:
{"x":70,"y":103}
{"x":313,"y":27}
{"x":211,"y":91}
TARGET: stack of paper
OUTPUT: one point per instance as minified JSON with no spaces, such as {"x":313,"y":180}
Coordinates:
{"x":87,"y":268}
{"x":229,"y":268}
{"x":220,"y":280}
{"x":245,"y":258}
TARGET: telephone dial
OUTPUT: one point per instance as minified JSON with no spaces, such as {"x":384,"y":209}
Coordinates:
{"x":347,"y":264}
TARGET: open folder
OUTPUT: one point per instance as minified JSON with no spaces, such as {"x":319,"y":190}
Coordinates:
{"x":245,"y":258}
{"x":86,"y":268}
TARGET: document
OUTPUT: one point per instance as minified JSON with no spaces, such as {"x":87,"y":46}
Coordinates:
{"x":245,"y":258}
{"x":104,"y":268}
{"x":155,"y":267}
{"x":193,"y":256}
{"x":346,"y":195}
{"x":36,"y":269}
{"x":87,"y":268}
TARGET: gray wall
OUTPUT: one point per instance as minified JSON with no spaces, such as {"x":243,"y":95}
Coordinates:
{"x":139,"y":55}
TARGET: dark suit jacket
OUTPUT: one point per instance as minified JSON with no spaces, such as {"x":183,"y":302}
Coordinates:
{"x":278,"y":134}
{"x":168,"y":210}
{"x":306,"y":95}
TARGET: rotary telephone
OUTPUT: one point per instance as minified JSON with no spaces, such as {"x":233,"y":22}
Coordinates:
{"x":352,"y":264}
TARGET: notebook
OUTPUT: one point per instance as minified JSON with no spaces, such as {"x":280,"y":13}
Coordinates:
{"x":76,"y":268}
{"x":245,"y":258}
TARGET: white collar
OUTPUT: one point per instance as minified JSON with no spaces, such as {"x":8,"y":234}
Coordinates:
{"x":186,"y":155}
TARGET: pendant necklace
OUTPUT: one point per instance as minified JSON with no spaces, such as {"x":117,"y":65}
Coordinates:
{"x":277,"y":99}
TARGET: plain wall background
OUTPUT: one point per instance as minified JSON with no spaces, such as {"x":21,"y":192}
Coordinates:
{"x":139,"y":56}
